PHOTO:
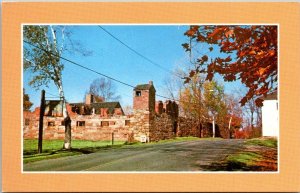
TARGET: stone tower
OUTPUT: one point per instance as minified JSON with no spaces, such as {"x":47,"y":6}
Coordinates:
{"x":144,"y":97}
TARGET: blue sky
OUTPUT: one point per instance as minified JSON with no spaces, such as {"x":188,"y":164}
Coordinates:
{"x":161,"y":44}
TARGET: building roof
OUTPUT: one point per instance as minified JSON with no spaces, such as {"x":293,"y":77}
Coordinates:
{"x":144,"y":87}
{"x":109,"y":105}
{"x":271,"y":96}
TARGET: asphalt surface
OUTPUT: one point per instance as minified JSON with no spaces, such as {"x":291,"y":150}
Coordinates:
{"x":173,"y":156}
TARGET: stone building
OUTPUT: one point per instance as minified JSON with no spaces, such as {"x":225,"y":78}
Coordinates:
{"x":103,"y":109}
{"x":101,"y":121}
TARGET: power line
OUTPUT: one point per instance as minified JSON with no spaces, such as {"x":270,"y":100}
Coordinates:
{"x":139,"y":54}
{"x":72,"y":62}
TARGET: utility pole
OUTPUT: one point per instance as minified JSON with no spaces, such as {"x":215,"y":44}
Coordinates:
{"x":214,"y":127}
{"x":112,"y":138}
{"x":213,"y":114}
{"x":42,"y":111}
{"x":229,"y":127}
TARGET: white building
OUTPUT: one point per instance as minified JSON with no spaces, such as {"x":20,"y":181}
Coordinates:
{"x":270,"y":119}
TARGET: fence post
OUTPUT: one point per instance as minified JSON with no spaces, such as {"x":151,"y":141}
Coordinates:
{"x":112,"y":138}
{"x":42,"y":111}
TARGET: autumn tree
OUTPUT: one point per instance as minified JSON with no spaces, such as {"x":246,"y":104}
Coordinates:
{"x":191,"y":101}
{"x":26,"y":101}
{"x":204,"y":101}
{"x":42,"y":50}
{"x":103,"y":90}
{"x":214,"y":102}
{"x":247,"y":53}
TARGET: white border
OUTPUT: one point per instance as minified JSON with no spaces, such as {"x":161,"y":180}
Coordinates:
{"x":153,"y":1}
{"x":154,"y":172}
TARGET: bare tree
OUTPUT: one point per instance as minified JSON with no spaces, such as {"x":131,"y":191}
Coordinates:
{"x":250,"y":107}
{"x":105,"y":89}
{"x":128,"y":110}
{"x":252,"y":115}
{"x":235,"y":113}
{"x":173,"y":85}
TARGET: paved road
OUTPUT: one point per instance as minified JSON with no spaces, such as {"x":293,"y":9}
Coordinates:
{"x":175,"y":156}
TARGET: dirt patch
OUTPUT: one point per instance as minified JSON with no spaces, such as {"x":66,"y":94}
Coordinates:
{"x":268,"y":161}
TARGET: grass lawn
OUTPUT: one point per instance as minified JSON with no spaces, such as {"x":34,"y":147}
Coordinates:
{"x":53,"y":148}
{"x":30,"y":145}
{"x":242,"y":160}
{"x":259,"y":155}
{"x":267,"y":142}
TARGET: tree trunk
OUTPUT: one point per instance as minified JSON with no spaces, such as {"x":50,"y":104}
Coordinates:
{"x":68,"y":137}
{"x":200,"y":127}
{"x":214,"y":128}
{"x":251,"y":120}
{"x":229,"y":127}
{"x":67,"y":119}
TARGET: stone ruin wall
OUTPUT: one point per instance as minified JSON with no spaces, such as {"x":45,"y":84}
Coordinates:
{"x":188,"y":127}
{"x":161,"y":128}
{"x":164,"y":122}
{"x":94,"y":128}
{"x":142,"y":123}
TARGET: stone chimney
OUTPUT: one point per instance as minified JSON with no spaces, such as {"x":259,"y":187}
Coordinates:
{"x":89,"y":98}
{"x":159,"y":107}
{"x":144,"y":97}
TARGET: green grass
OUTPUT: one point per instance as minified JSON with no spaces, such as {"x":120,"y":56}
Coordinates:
{"x":267,"y":142}
{"x":243,"y":161}
{"x":50,"y":146}
{"x":53,"y":148}
{"x":31,"y":144}
{"x":247,"y":158}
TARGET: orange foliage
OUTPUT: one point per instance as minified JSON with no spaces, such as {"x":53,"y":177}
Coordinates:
{"x":247,"y":133}
{"x":255,"y":63}
{"x":236,"y":120}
